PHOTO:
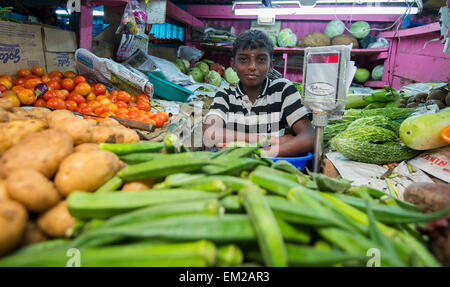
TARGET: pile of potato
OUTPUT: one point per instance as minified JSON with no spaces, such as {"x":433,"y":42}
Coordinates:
{"x":44,"y":156}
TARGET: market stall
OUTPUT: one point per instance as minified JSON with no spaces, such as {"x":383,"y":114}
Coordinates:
{"x":102,"y":151}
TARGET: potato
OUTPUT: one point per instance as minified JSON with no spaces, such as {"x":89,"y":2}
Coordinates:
{"x":19,"y":111}
{"x":86,"y":147}
{"x":32,"y":189}
{"x":13,"y":219}
{"x":139,"y":185}
{"x":58,"y":115}
{"x":109,"y":122}
{"x":4,"y":116}
{"x":42,"y":151}
{"x":129,"y":135}
{"x":39,"y":113}
{"x":77,"y":128}
{"x":32,"y":235}
{"x":86,"y":171}
{"x":13,"y":132}
{"x":3,"y":193}
{"x":102,"y":134}
{"x":431,"y":196}
{"x":56,"y":221}
{"x":6,"y":104}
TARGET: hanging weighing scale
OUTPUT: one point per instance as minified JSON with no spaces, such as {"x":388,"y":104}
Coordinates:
{"x":327,"y":74}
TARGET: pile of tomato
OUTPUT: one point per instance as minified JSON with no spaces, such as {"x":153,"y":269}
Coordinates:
{"x":72,"y":92}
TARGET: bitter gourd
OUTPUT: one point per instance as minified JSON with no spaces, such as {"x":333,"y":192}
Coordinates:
{"x":368,"y":134}
{"x":371,"y":152}
{"x":379,"y":121}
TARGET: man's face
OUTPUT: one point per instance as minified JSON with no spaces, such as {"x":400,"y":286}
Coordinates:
{"x":252,"y":66}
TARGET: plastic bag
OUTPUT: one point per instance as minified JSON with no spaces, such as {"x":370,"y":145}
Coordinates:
{"x":189,"y":53}
{"x":133,"y":20}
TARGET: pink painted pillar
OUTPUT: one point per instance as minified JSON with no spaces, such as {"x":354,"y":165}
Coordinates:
{"x":389,"y":63}
{"x":285,"y":58}
{"x":86,"y":20}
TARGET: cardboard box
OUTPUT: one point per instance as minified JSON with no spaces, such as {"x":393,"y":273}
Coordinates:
{"x":20,"y":47}
{"x":60,"y":47}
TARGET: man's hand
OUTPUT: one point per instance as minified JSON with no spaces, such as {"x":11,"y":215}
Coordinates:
{"x":279,"y":140}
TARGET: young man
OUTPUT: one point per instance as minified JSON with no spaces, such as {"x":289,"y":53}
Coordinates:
{"x":258,"y":107}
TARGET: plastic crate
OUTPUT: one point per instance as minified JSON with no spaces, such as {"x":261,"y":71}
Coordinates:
{"x":167,"y":90}
{"x":298,"y":162}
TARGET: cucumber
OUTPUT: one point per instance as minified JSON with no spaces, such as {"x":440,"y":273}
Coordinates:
{"x":423,"y":132}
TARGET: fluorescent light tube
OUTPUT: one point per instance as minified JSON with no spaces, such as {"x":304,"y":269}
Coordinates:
{"x":64,"y":12}
{"x":327,"y":11}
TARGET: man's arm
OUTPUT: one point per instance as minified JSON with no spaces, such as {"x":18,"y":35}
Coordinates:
{"x":290,"y":146}
{"x":214,"y":133}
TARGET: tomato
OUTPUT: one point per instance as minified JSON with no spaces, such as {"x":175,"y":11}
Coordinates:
{"x":142,"y":97}
{"x":40,"y":103}
{"x":159,"y":120}
{"x":133,"y":99}
{"x":22,"y":73}
{"x":105,"y":101}
{"x":11,"y":79}
{"x":122,"y":110}
{"x":7,"y":83}
{"x":31,"y":83}
{"x":91,"y":97}
{"x":113,"y":99}
{"x":112,"y":107}
{"x":122,"y":115}
{"x":58,"y":79}
{"x":2,"y":88}
{"x":165,"y":116}
{"x":133,"y":114}
{"x":68,"y":84}
{"x":38,"y":71}
{"x":69,"y":74}
{"x":93,"y":104}
{"x":101,"y":109}
{"x":150,"y":121}
{"x":20,"y":82}
{"x":133,"y":105}
{"x":134,"y":108}
{"x":49,"y":94}
{"x":143,"y":106}
{"x":13,"y":98}
{"x":99,"y":89}
{"x":73,"y":96}
{"x":60,"y":94}
{"x":56,"y":103}
{"x":45,"y":79}
{"x":114,"y":92}
{"x":121,"y":104}
{"x":56,"y":74}
{"x":82,"y":105}
{"x":124,"y":96}
{"x":79,"y":79}
{"x":26,"y":96}
{"x":107,"y":114}
{"x":87,"y":110}
{"x":16,"y":89}
{"x":83,"y":88}
{"x":141,"y":118}
{"x":54,"y":85}
{"x":65,"y":92}
{"x":71,"y":105}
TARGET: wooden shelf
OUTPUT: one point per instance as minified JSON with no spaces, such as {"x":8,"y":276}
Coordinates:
{"x":299,"y":50}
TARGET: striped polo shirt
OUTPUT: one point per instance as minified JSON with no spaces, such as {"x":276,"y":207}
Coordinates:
{"x":277,"y":107}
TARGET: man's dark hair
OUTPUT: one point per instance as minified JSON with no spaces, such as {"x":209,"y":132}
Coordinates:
{"x":253,"y":39}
